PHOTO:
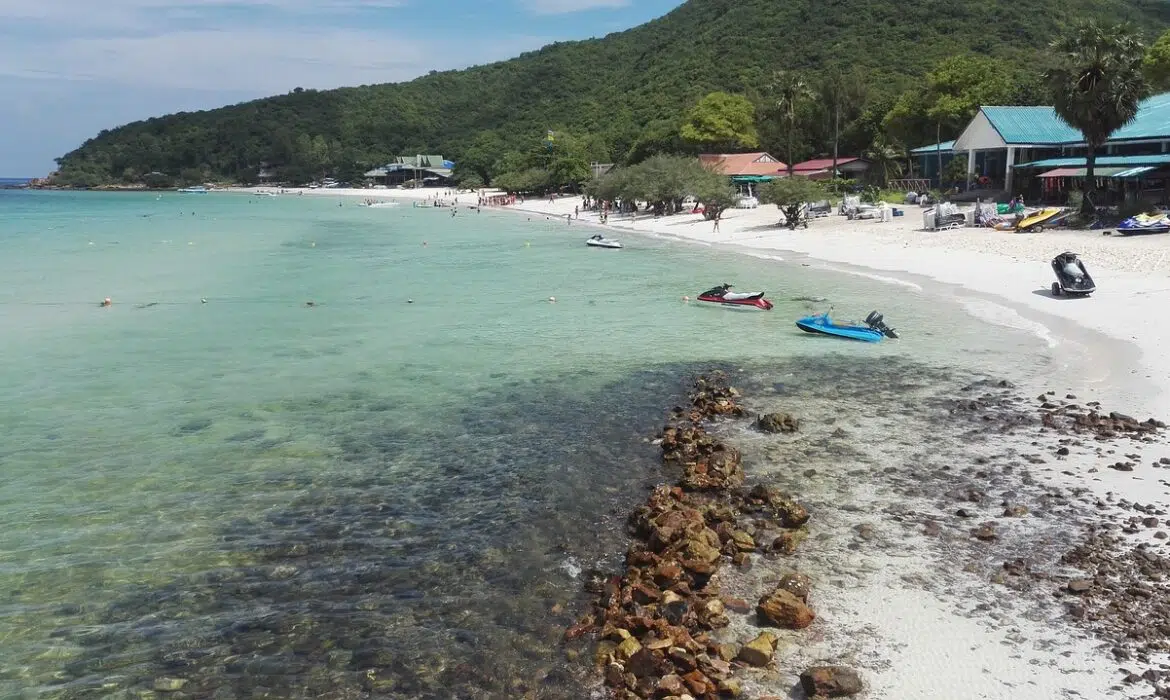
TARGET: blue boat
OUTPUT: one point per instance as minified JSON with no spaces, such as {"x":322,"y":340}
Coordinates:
{"x":873,"y":331}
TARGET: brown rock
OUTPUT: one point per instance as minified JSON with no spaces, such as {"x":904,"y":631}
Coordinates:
{"x":759,"y":651}
{"x":737,"y":605}
{"x":782,"y":609}
{"x":1080,"y":586}
{"x":985,"y":533}
{"x":614,"y":675}
{"x":642,"y":663}
{"x":830,"y":681}
{"x":684,"y":660}
{"x":698,"y":683}
{"x":671,"y":685}
{"x":798,"y":585}
{"x":743,"y":541}
{"x":1015,"y":510}
{"x":789,"y":540}
{"x":777,"y":423}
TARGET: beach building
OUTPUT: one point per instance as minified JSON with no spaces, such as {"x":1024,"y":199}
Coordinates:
{"x":746,"y":170}
{"x":431,"y":171}
{"x":822,"y":168}
{"x":1030,"y":149}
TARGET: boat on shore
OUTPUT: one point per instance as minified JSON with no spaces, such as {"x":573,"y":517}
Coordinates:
{"x":194,"y":190}
{"x":873,"y":330}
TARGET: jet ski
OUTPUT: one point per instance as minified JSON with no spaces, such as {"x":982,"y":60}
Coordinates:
{"x":600,"y":241}
{"x":1071,"y":276}
{"x":873,"y":331}
{"x":1144,"y":223}
{"x":723,"y":295}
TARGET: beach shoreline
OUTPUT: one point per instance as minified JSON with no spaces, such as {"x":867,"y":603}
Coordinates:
{"x":902,"y":642}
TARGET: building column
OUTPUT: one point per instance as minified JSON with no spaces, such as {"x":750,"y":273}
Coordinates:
{"x":970,"y":165}
{"x":1007,"y":171}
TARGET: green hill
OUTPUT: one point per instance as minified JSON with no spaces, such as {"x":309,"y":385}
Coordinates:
{"x":614,"y":89}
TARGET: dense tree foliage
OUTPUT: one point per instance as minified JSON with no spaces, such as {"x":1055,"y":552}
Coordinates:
{"x":1157,"y":64}
{"x":625,"y":96}
{"x":722,"y":123}
{"x":1097,"y":86}
{"x":790,"y":194}
{"x":664,"y":182}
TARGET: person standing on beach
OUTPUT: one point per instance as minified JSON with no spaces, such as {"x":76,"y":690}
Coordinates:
{"x":716,"y":229}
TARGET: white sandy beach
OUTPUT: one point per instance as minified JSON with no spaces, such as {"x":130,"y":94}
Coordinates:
{"x":931,"y":650}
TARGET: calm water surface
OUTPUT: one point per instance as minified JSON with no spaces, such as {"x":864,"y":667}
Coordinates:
{"x":366,"y":497}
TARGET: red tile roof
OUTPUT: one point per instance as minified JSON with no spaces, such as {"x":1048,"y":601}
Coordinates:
{"x":744,"y":163}
{"x":822,"y":164}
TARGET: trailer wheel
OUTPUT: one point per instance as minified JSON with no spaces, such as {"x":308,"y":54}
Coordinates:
{"x":1056,"y":289}
{"x":1037,"y":229}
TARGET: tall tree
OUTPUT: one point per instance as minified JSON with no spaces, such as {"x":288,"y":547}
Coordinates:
{"x":722,"y":121}
{"x":1097,"y":87}
{"x":843,"y":94}
{"x":1157,"y":63}
{"x":952,"y":94}
{"x":789,"y":92}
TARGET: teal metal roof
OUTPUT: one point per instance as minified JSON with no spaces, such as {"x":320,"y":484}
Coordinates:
{"x":1022,"y":125}
{"x":1134,"y":172}
{"x":934,"y":147}
{"x":1103,"y":161}
{"x":1152,"y":121}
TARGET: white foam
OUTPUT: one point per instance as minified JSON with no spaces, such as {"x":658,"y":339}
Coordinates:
{"x":1001,"y":315}
{"x":878,"y":278}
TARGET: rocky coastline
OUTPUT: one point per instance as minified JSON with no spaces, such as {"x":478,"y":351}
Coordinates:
{"x":661,"y":628}
{"x":653,"y":623}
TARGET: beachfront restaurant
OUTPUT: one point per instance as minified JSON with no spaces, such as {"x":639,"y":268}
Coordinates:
{"x":426,"y":171}
{"x":1016,"y":149}
{"x":746,"y":170}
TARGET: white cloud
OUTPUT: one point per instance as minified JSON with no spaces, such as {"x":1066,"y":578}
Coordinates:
{"x":561,"y":7}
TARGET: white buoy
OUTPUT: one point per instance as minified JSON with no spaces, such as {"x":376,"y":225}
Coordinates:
{"x":410,"y":301}
{"x":686,"y":298}
{"x":202,"y":300}
{"x":552,"y":300}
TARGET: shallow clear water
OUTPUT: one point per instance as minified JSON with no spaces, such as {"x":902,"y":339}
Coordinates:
{"x":366,"y":496}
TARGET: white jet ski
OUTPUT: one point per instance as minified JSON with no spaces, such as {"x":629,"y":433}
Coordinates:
{"x":600,"y":241}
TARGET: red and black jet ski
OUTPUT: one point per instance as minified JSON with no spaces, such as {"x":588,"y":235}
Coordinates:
{"x":723,"y":295}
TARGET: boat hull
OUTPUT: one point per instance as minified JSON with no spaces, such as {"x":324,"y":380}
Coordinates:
{"x":603,"y":244}
{"x":820,"y":325}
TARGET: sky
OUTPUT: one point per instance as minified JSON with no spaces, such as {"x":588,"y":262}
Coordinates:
{"x":70,"y":68}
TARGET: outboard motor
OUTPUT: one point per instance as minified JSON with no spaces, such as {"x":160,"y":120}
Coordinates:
{"x":877,"y":322}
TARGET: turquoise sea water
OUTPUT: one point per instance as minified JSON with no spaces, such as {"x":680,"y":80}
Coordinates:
{"x":363,"y":497}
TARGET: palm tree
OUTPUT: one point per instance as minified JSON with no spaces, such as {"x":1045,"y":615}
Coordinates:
{"x":1097,"y":87}
{"x":886,"y":158}
{"x":790,"y":92}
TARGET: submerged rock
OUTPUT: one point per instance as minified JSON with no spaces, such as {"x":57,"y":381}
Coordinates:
{"x":777,"y":423}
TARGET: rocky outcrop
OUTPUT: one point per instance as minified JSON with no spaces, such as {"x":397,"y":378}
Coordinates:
{"x":654,"y":621}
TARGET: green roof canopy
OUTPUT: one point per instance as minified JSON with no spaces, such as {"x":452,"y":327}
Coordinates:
{"x":752,"y":178}
{"x":1030,"y":125}
{"x":945,"y":146}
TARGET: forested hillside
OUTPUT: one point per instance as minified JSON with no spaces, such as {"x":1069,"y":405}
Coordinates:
{"x":620,"y":97}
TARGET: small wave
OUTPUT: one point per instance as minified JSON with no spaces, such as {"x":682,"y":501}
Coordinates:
{"x":1000,"y":315}
{"x":571,"y":567}
{"x":880,"y":278}
{"x":765,"y":256}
